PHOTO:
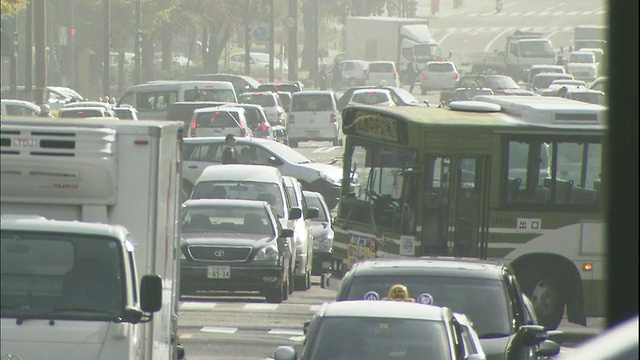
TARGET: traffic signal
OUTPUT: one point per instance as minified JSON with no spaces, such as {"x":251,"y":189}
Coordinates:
{"x":7,"y":29}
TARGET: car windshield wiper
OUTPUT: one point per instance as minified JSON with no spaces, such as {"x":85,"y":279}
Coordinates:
{"x":57,"y":311}
{"x":492,"y":335}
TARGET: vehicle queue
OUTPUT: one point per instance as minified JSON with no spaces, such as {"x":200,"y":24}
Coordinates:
{"x":383,"y":181}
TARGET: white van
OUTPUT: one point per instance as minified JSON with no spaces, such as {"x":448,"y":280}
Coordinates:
{"x":219,"y":121}
{"x":152,"y":99}
{"x":314,"y":117}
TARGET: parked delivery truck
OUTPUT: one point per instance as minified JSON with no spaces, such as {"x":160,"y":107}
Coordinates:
{"x":89,"y":239}
{"x":391,"y":39}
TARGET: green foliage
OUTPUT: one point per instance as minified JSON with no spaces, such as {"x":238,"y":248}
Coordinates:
{"x":12,"y":7}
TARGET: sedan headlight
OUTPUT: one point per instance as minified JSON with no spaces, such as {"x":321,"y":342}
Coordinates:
{"x":328,"y":178}
{"x":267,"y":253}
{"x":324,"y":243}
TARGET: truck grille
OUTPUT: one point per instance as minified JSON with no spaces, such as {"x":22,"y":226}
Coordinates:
{"x":219,"y":253}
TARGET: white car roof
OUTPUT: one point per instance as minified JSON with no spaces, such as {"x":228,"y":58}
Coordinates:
{"x":383,"y":309}
{"x":240,"y":172}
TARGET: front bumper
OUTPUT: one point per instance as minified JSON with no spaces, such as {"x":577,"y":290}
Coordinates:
{"x":263,"y":278}
{"x":322,"y":262}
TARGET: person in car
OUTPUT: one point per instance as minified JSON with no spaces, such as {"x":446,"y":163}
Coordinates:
{"x":229,"y":153}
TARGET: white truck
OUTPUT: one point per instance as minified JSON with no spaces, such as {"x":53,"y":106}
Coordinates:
{"x":89,"y":239}
{"x":522,"y":50}
{"x":590,"y":36}
{"x":390,"y":39}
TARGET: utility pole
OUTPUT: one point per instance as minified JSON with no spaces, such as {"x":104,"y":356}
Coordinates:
{"x":247,"y":40}
{"x":313,"y":71}
{"x":138,"y":46}
{"x":13,"y":60}
{"x":293,"y":41}
{"x":40,"y":37}
{"x":106,"y":75}
{"x":272,"y":35}
{"x":28,"y":47}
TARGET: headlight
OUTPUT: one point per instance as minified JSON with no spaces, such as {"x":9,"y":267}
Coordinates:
{"x":333,"y":181}
{"x":267,"y":253}
{"x":324,"y":244}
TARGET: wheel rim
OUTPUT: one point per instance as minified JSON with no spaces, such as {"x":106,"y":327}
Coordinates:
{"x":545,"y":298}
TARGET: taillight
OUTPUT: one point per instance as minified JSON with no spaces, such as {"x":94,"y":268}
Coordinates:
{"x":334,"y":117}
{"x":264,"y":127}
{"x":424,"y":74}
{"x":395,"y":74}
{"x":192,"y":131}
{"x":292,"y":119}
{"x":455,"y":75}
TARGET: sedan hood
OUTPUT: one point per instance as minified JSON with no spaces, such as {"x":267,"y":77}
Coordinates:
{"x":332,"y":171}
{"x":225,"y":239}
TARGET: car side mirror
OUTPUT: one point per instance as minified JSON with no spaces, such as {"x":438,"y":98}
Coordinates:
{"x":286,"y":233}
{"x":531,"y":335}
{"x":548,"y":348}
{"x":295,"y":213}
{"x":305,"y":326}
{"x":151,"y":293}
{"x":312,"y":213}
{"x":285,"y":353}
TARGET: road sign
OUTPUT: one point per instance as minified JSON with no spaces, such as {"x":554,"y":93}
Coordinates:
{"x":290,"y":21}
{"x":260,"y":33}
{"x":62,"y":35}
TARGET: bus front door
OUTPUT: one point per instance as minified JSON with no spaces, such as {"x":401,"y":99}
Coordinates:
{"x":455,"y":206}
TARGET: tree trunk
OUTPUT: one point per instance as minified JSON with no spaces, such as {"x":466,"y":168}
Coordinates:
{"x":206,"y":69}
{"x":148,"y":54}
{"x":218,"y":40}
{"x":167,"y":40}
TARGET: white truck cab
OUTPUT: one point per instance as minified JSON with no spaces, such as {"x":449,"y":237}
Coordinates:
{"x":95,"y":178}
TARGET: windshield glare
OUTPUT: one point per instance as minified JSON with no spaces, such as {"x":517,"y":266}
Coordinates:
{"x":483,"y":301}
{"x":536,"y":48}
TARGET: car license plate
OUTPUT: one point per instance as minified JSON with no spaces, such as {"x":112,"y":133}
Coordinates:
{"x":27,"y":143}
{"x":218,"y":272}
{"x":312,"y":132}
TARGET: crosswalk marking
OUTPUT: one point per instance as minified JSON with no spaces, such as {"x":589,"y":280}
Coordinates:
{"x":260,"y":306}
{"x":219,"y":329}
{"x":537,"y":13}
{"x":325,"y":149}
{"x":193,"y":305}
{"x":286,"y":332}
{"x":314,"y":308}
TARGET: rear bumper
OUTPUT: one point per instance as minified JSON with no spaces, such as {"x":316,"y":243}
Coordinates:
{"x":322,"y":262}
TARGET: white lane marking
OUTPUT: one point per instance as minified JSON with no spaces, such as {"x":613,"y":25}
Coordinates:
{"x":495,"y":38}
{"x":530,"y":13}
{"x":219,"y":329}
{"x":572,"y":13}
{"x":517,"y":13}
{"x":297,"y":338}
{"x":260,"y":306}
{"x":314,"y":307}
{"x":286,"y":332}
{"x":195,"y":306}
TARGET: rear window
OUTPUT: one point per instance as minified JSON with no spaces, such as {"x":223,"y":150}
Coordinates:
{"x":216,"y":119}
{"x":440,"y":67}
{"x":544,"y":81}
{"x":254,"y":118}
{"x":265,"y":100}
{"x":79,"y":113}
{"x":320,"y":102}
{"x":370,"y":98}
{"x":244,"y":190}
{"x":225,"y":95}
{"x":124,"y":113}
{"x":280,"y":87}
{"x":381,"y":67}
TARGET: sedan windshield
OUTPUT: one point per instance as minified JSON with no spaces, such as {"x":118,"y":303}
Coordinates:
{"x":483,"y":301}
{"x":379,"y":338}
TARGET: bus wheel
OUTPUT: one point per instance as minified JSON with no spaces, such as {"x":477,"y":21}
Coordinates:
{"x":548,"y":302}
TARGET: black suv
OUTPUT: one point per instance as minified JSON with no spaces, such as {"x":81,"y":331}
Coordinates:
{"x":499,"y":84}
{"x":486,"y":292}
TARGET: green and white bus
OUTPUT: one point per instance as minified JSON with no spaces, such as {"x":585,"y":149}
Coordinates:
{"x":525,"y":190}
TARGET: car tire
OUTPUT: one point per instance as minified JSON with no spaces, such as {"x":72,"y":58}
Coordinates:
{"x":276,"y":296}
{"x":341,"y":142}
{"x":423,"y":91}
{"x":285,"y":288}
{"x":293,"y":143}
{"x":336,"y":142}
{"x":291,"y":283}
{"x":307,"y":283}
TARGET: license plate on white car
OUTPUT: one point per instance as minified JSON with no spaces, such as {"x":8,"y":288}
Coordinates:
{"x":218,"y":272}
{"x":312,"y":133}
